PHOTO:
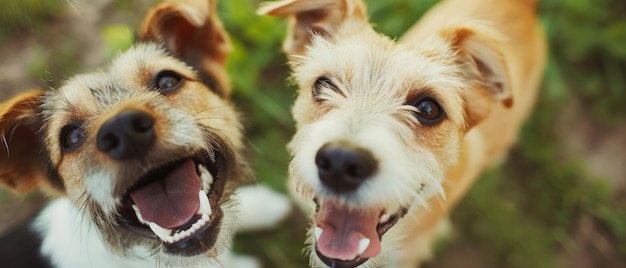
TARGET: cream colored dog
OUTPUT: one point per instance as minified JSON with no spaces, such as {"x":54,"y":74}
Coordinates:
{"x":390,"y":135}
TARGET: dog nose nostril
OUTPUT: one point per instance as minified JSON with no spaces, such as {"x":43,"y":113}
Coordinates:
{"x":108,"y":142}
{"x":343,"y":166}
{"x":143,"y":123}
{"x":127,"y":135}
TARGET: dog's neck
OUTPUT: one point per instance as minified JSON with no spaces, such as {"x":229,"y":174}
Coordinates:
{"x":70,"y":239}
{"x":467,"y":168}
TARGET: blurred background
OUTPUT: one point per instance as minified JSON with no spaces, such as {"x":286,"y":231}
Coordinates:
{"x":559,"y":200}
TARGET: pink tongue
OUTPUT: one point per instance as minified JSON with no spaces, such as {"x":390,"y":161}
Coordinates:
{"x":171,"y":201}
{"x":342,"y":230}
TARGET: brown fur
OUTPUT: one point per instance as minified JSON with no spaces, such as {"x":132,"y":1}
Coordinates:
{"x":185,"y":37}
{"x":481,"y":60}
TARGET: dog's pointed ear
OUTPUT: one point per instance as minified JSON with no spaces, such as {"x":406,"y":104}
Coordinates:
{"x":21,"y":168}
{"x":484,"y":66}
{"x":192,"y":31}
{"x":314,"y":17}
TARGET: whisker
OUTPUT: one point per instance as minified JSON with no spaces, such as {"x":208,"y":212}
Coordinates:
{"x":5,"y":142}
{"x":74,"y":8}
{"x":209,"y":118}
{"x":210,"y":109}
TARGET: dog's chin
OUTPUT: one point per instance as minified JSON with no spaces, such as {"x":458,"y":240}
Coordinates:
{"x":348,"y":235}
{"x":177,"y":205}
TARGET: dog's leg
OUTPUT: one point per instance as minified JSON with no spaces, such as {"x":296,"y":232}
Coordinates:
{"x":261,"y":207}
{"x":243,"y":261}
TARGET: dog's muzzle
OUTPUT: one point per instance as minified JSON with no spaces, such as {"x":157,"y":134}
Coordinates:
{"x":347,"y":235}
{"x":175,"y":203}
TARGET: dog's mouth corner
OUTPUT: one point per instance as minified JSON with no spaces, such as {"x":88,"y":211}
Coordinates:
{"x":177,"y":204}
{"x":347,"y":236}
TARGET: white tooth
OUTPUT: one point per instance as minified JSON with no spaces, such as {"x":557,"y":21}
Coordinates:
{"x":384,"y":218}
{"x":138,"y":214}
{"x":318,"y":233}
{"x":205,"y":206}
{"x":363,"y":244}
{"x":161,"y":232}
{"x":177,"y":237}
{"x":207,"y":178}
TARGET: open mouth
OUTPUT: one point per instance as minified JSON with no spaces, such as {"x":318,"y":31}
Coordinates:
{"x":177,"y":204}
{"x":347,"y":236}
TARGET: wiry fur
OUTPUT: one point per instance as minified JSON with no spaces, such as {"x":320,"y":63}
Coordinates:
{"x":481,"y":61}
{"x":195,"y":120}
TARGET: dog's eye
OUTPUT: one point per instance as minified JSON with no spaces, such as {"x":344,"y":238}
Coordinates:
{"x":167,"y":81}
{"x":71,"y":135}
{"x":320,"y":84}
{"x":429,"y":112}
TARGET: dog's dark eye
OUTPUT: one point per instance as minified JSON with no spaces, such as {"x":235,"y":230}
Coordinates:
{"x":167,"y":81}
{"x":71,"y":136}
{"x":320,"y":84}
{"x":429,"y":112}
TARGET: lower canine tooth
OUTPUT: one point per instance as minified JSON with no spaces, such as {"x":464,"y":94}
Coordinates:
{"x":363,"y":244}
{"x":162,"y":233}
{"x":205,"y":205}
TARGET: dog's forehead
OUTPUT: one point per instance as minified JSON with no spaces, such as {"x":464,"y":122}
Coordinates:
{"x":143,"y":60}
{"x":128,"y":73}
{"x":378,"y":64}
{"x":383,"y":71}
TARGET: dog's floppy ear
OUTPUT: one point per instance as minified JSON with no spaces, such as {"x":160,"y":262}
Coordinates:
{"x":483,"y":66}
{"x":308,"y":17}
{"x":192,"y":31}
{"x":21,"y":168}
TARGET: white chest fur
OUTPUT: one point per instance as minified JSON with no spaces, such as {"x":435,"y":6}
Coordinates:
{"x":70,"y":239}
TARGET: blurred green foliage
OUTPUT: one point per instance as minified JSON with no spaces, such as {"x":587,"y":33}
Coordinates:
{"x":588,"y":46}
{"x":259,"y":74}
{"x":117,"y":37}
{"x":26,"y":14}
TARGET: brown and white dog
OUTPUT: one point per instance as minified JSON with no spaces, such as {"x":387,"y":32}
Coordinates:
{"x":144,"y":155}
{"x":390,"y":135}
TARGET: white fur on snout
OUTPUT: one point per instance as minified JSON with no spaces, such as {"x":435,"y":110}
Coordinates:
{"x":100,"y":185}
{"x":406,"y":173}
{"x":181,"y":131}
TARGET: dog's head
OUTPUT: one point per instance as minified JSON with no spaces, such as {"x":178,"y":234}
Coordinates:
{"x":148,"y":147}
{"x":378,"y":123}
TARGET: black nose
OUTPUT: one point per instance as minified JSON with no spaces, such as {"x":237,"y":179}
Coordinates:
{"x":127,"y":135}
{"x":343,"y":166}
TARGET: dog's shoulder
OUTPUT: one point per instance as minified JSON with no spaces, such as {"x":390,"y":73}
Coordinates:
{"x":21,"y":248}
